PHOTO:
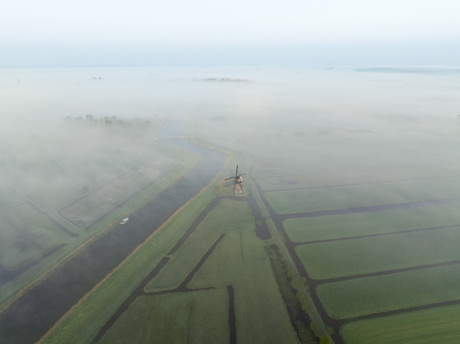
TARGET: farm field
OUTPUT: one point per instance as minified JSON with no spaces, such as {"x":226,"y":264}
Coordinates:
{"x":227,"y":215}
{"x":341,"y":197}
{"x":241,"y":261}
{"x":366,"y":255}
{"x":362,"y":296}
{"x":193,"y":317}
{"x":370,"y":223}
{"x":238,"y":260}
{"x":292,"y":182}
{"x":435,"y":325}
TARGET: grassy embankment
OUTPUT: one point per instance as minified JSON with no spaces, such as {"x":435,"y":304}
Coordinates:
{"x":381,"y":253}
{"x":436,"y":325}
{"x":306,"y":200}
{"x":362,"y":296}
{"x":358,"y":224}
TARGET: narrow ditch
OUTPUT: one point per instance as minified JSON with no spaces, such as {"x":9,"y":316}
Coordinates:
{"x":231,"y":314}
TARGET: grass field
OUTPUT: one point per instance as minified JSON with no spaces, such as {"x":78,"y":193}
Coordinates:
{"x":362,"y":296}
{"x":25,"y":235}
{"x":366,"y":255}
{"x":240,"y":260}
{"x":436,"y":325}
{"x":227,"y":215}
{"x":300,"y":201}
{"x":290,"y":182}
{"x":378,"y":222}
{"x":194,"y":317}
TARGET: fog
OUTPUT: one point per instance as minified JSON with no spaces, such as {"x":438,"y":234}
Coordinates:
{"x":79,"y":144}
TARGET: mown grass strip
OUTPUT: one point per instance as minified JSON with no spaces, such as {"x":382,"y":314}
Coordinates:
{"x":362,"y":296}
{"x":381,"y":253}
{"x":343,"y":197}
{"x":351,"y":225}
{"x":435,"y":325}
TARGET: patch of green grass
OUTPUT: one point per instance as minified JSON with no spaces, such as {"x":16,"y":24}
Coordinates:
{"x":291,"y":182}
{"x":241,"y":261}
{"x":351,"y":225}
{"x":362,"y":296}
{"x":25,"y":235}
{"x":380,"y":253}
{"x":436,"y":325}
{"x":341,"y":197}
{"x":227,"y":215}
{"x":192,"y":317}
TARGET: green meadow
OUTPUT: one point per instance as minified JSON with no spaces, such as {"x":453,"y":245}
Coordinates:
{"x":362,"y":296}
{"x":194,"y":317}
{"x":381,"y":253}
{"x":435,"y":325}
{"x":342,"y":197}
{"x":369,"y":223}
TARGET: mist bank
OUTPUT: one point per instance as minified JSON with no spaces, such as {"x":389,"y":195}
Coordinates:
{"x":70,"y":53}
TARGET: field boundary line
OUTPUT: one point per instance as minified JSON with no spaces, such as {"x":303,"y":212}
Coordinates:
{"x":139,"y":247}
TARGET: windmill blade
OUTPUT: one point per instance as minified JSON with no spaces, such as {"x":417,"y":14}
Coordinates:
{"x":236,"y":172}
{"x":229,"y":178}
{"x":234,"y":188}
{"x":242,"y":174}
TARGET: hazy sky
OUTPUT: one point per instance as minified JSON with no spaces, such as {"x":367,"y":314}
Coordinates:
{"x":61,"y":32}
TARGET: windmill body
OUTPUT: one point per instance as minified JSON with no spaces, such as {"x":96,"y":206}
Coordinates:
{"x":237,"y":187}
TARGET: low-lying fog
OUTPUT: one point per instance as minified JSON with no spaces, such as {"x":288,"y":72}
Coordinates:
{"x":411,"y":112}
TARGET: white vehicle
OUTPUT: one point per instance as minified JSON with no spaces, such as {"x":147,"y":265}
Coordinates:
{"x":124,"y":220}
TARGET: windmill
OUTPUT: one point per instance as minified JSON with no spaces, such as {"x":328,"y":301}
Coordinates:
{"x":238,"y":180}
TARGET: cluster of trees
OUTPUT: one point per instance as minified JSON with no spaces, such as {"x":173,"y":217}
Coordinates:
{"x":108,"y":120}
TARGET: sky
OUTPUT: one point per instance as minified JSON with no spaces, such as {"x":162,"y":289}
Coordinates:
{"x":140,"y":32}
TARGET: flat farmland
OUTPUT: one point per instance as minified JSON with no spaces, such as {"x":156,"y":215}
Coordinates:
{"x":370,"y":223}
{"x":193,"y":317}
{"x":342,"y":197}
{"x":328,"y":153}
{"x":241,"y":261}
{"x":372,"y":254}
{"x":363,"y":296}
{"x":292,"y":182}
{"x":221,"y":219}
{"x":26,"y":234}
{"x":435,"y":325}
